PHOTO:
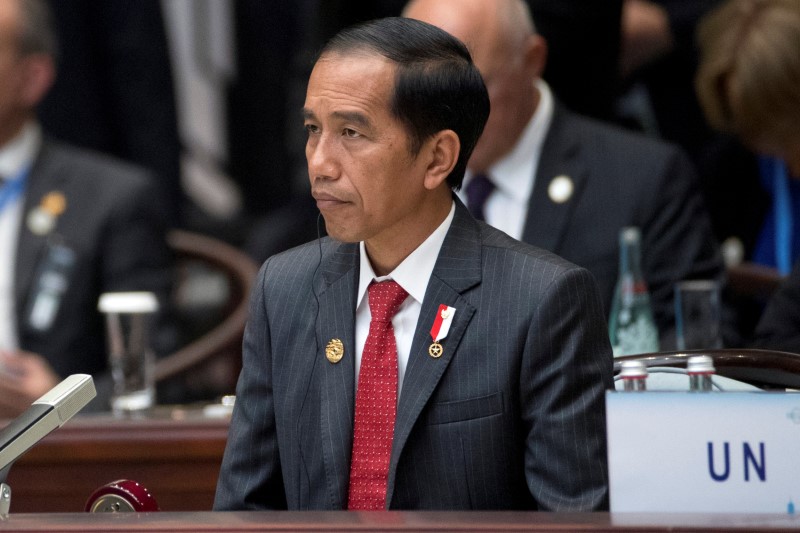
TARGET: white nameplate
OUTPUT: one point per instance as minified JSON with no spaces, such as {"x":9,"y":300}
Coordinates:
{"x":713,"y":452}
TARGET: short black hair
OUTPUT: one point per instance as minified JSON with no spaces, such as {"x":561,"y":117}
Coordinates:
{"x":437,"y":86}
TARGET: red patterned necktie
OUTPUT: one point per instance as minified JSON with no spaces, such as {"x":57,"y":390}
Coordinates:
{"x":376,"y":401}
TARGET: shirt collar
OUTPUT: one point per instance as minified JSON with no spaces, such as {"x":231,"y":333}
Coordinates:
{"x":20,"y":151}
{"x":415,"y":271}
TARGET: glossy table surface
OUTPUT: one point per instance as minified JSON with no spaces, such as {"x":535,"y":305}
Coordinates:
{"x":176,"y":454}
{"x":434,"y":521}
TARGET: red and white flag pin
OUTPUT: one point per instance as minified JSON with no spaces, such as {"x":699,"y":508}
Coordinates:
{"x":441,"y":326}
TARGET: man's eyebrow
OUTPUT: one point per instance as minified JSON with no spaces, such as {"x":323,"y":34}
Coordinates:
{"x":354,"y":117}
{"x":359,"y":119}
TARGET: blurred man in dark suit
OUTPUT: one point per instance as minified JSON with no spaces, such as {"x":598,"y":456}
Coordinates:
{"x":658,"y":64}
{"x":114,"y":91}
{"x":72,"y":225}
{"x":567,"y":183}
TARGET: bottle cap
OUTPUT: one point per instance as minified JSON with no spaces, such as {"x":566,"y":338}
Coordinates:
{"x":127,"y":302}
{"x":700,"y":364}
{"x":633,"y":369}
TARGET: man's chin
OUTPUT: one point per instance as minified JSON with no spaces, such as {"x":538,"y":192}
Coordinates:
{"x":338,"y":233}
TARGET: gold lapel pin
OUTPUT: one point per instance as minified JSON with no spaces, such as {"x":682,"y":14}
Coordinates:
{"x":334,"y":351}
{"x":42,"y":218}
{"x":54,"y":203}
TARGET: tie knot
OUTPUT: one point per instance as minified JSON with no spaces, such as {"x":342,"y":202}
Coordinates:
{"x":478,"y":190}
{"x":385,"y":298}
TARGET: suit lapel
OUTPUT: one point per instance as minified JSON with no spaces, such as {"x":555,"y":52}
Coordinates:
{"x":43,"y":178}
{"x":457,"y":269}
{"x":337,"y":321}
{"x":560,"y":158}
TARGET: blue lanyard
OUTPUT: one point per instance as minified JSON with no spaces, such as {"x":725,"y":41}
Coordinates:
{"x":13,"y":188}
{"x":783,"y":217}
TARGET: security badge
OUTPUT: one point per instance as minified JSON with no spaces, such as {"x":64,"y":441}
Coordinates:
{"x":42,"y":218}
{"x":334,"y":351}
{"x":441,"y":326}
{"x":51,"y":281}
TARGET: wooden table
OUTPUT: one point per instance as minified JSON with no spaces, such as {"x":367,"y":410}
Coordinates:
{"x":395,"y":521}
{"x":176,"y":454}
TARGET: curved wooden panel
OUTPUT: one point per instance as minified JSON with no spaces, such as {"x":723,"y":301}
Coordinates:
{"x":241,"y":272}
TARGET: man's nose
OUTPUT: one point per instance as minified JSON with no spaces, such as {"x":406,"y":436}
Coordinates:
{"x":322,"y":158}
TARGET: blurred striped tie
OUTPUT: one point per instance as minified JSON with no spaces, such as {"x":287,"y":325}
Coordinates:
{"x":478,"y":190}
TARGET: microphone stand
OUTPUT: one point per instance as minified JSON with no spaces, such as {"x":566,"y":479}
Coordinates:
{"x":5,"y":494}
{"x":44,"y":415}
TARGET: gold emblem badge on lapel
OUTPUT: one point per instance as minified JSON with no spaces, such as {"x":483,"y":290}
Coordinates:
{"x":42,"y":219}
{"x":435,"y":350}
{"x":560,"y":189}
{"x":440,"y":328}
{"x":334,"y":351}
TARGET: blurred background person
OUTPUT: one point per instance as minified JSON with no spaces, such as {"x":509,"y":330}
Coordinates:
{"x":73,"y":224}
{"x":114,"y":90}
{"x":658,"y":64}
{"x":567,"y":183}
{"x":748,"y":83}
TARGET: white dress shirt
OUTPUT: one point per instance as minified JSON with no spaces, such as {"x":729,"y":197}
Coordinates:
{"x":514,"y":175}
{"x":413,"y":275}
{"x":15,"y":157}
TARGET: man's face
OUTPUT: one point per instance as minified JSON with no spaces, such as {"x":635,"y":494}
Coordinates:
{"x":12,"y":73}
{"x":365,"y":180}
{"x":511,"y":93}
{"x":508,"y":74}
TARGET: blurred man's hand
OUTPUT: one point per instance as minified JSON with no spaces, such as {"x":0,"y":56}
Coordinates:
{"x":24,"y":378}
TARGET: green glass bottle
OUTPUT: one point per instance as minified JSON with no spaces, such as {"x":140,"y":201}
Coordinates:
{"x":631,"y":327}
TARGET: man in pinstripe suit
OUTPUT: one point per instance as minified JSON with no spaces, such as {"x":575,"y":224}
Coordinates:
{"x":510,"y":415}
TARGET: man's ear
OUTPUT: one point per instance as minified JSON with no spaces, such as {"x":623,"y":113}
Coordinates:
{"x":535,"y":55}
{"x":39,"y":73}
{"x":444,"y":148}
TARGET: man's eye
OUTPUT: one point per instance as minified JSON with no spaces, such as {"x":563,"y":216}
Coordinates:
{"x":311,"y":128}
{"x":347,"y":132}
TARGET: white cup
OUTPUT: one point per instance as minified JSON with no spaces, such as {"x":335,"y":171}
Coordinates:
{"x":131,"y":359}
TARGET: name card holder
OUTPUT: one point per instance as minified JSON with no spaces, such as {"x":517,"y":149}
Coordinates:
{"x":706,"y":452}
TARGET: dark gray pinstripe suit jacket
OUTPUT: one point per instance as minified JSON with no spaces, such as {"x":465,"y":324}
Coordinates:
{"x":510,"y":417}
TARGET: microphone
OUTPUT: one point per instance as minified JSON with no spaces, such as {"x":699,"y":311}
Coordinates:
{"x":44,"y":415}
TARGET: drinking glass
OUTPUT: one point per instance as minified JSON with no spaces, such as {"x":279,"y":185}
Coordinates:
{"x":128,"y":316}
{"x":697,"y":315}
